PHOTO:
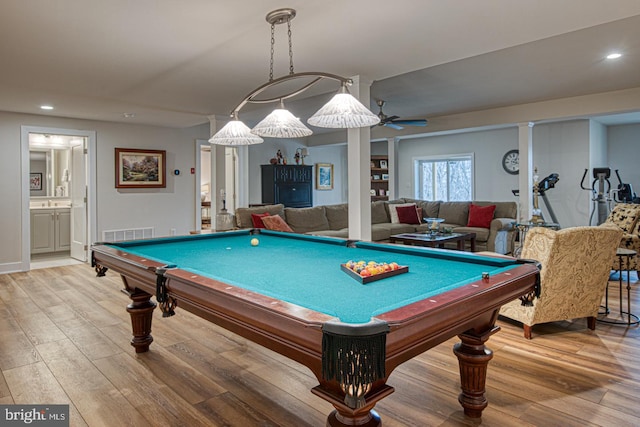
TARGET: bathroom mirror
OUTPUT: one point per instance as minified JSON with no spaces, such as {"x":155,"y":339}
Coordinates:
{"x":49,"y":172}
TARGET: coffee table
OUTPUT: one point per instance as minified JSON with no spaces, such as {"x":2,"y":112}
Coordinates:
{"x":435,"y":240}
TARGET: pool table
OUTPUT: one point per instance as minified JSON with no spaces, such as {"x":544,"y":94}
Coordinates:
{"x":290,"y":294}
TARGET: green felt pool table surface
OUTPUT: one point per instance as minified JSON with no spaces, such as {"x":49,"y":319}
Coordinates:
{"x":305,"y":270}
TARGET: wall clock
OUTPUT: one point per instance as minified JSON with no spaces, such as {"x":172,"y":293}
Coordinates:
{"x":511,"y":162}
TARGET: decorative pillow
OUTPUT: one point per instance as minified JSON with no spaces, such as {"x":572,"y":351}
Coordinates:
{"x":480,"y":216}
{"x":625,"y":216}
{"x":420,"y":215}
{"x":256,"y":219}
{"x":393,"y":211}
{"x":276,"y":223}
{"x":408,"y":214}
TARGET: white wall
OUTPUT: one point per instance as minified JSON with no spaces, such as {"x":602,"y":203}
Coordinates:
{"x":164,"y":209}
{"x":491,"y":181}
{"x":561,"y":147}
{"x":564,"y":148}
{"x":623,"y":150}
{"x":260,"y":154}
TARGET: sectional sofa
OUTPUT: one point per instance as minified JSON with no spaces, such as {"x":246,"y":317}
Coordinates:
{"x":333,"y":220}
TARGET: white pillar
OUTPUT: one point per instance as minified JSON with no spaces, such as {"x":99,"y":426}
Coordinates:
{"x":525,"y":179}
{"x":392,"y":151}
{"x":359,"y":170}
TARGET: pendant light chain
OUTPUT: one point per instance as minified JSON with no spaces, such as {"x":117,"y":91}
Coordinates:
{"x":273,"y":42}
{"x":290,"y":46}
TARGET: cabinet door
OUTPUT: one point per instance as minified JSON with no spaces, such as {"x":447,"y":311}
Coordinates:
{"x":63,"y":230}
{"x":42,"y":231}
{"x":294,"y":195}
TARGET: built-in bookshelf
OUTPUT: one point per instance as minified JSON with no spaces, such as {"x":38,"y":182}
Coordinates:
{"x":379,"y":177}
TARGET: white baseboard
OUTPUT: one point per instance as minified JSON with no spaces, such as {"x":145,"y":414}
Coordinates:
{"x":11,"y":267}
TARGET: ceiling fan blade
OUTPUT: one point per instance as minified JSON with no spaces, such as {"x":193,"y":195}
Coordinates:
{"x":393,"y":126}
{"x":419,"y":122}
{"x":389,"y":119}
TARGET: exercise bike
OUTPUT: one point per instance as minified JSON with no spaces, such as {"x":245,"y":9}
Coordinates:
{"x":624,"y":193}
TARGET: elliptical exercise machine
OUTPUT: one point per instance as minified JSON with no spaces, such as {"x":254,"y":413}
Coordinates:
{"x":601,"y":197}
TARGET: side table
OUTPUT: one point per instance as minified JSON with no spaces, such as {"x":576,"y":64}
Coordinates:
{"x":624,"y":262}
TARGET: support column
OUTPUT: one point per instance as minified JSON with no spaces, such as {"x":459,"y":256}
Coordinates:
{"x":392,"y":151}
{"x":525,"y":179}
{"x":358,"y":165}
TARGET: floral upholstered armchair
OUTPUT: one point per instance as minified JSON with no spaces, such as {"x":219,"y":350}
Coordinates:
{"x":626,"y":216}
{"x":576,"y":263}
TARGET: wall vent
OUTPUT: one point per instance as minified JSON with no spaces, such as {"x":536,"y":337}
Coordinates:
{"x":109,"y":236}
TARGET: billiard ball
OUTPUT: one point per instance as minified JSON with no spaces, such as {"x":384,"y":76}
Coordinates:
{"x":254,"y":242}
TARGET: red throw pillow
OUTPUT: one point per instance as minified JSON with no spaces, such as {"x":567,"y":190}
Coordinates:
{"x":276,"y":223}
{"x":408,"y":214}
{"x":480,"y":216}
{"x":256,"y":219}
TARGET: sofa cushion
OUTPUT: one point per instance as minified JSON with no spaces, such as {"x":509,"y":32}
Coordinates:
{"x":393,"y":211}
{"x":454,"y":212}
{"x":276,"y":223}
{"x":379,"y":212}
{"x":243,"y":215}
{"x":408,"y":214}
{"x":482,"y":234}
{"x":480,"y":216}
{"x":337,"y":216}
{"x":302,"y":220}
{"x":256,"y":219}
{"x":429,"y":209}
{"x":503,"y":209}
{"x":383,"y":231}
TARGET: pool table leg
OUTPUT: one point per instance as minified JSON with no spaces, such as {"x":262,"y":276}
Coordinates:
{"x":141,"y":312}
{"x":473,"y":358}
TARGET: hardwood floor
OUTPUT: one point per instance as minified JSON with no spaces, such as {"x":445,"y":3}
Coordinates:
{"x":65,"y":339}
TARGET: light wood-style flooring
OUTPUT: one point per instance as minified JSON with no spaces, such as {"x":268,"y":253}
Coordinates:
{"x":64,"y":339}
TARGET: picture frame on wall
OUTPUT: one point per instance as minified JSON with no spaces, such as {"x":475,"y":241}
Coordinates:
{"x":35,"y":181}
{"x":140,"y":168}
{"x":324,"y":176}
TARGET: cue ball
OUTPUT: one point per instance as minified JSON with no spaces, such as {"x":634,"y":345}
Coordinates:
{"x":254,"y":242}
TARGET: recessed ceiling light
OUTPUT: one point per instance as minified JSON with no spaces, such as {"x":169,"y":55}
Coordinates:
{"x":128,"y":115}
{"x":46,"y":107}
{"x":614,"y":55}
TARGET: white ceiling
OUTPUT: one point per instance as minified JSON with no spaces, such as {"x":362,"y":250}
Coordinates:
{"x":174,"y":63}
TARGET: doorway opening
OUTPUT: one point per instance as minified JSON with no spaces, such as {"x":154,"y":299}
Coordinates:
{"x":57,"y":197}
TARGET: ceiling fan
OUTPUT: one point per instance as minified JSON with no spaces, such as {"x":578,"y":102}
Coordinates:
{"x":393,"y":122}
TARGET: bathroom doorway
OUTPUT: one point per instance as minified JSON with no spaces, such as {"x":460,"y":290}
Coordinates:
{"x":57,"y":183}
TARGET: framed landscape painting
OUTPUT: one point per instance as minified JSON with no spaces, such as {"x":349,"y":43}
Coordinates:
{"x":324,"y":176}
{"x":140,"y":168}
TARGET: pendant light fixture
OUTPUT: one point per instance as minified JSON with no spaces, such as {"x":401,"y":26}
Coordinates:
{"x":341,"y":112}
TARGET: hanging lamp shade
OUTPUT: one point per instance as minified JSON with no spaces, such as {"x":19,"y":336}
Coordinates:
{"x":281,"y":124}
{"x":235,"y":133}
{"x":343,"y":111}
